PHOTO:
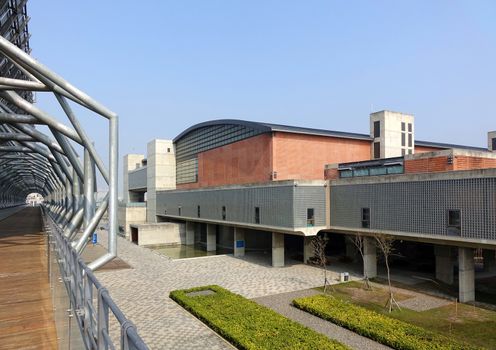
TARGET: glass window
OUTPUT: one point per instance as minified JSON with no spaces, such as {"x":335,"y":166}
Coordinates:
{"x":377,"y":150}
{"x":378,"y":171}
{"x":366,"y":217}
{"x":257,"y":215}
{"x":377,"y":129}
{"x":454,"y":222}
{"x":395,"y":169}
{"x":361,"y":172}
{"x":403,"y":151}
{"x":224,"y":213}
{"x":410,"y":142}
{"x":179,"y":209}
{"x":198,"y":211}
{"x":409,"y":127}
{"x":310,"y":217}
{"x":346,"y":173}
{"x":402,"y":126}
{"x":403,"y":139}
{"x":494,"y":144}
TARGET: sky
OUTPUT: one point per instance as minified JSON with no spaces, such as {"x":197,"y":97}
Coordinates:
{"x":163,"y":66}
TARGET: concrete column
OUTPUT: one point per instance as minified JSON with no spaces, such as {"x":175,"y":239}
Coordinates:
{"x":190,"y":233}
{"x":277,"y":249}
{"x":489,"y":257}
{"x":369,"y":257}
{"x":160,"y":173}
{"x":466,"y":275}
{"x":131,"y":162}
{"x":211,"y":238}
{"x":308,"y":250}
{"x":239,"y":242}
{"x":444,"y":264}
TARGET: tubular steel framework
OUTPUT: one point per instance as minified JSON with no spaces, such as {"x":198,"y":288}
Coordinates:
{"x":44,"y":160}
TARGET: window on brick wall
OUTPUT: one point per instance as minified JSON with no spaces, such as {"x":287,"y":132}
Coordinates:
{"x":366,"y":217}
{"x":454,"y":222}
{"x":377,"y":129}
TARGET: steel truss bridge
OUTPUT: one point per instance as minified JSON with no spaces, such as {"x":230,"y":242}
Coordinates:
{"x":45,"y":160}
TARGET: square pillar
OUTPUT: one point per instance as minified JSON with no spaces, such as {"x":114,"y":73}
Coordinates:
{"x":190,"y":233}
{"x":444,"y":264}
{"x":211,"y":238}
{"x":369,"y":257}
{"x":239,"y":242}
{"x":277,"y":249}
{"x":489,"y":257}
{"x":308,"y":251}
{"x":466,"y":275}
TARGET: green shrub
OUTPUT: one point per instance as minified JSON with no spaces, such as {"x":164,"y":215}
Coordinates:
{"x":383,"y":329}
{"x":248,"y":325}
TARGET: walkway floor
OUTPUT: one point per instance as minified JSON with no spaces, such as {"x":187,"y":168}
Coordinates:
{"x":26,"y":316}
{"x":142,"y":292}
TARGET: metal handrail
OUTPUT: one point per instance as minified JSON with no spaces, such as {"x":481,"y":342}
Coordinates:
{"x":81,"y":282}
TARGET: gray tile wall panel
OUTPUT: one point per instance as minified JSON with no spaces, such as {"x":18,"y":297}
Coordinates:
{"x":419,"y":206}
{"x":137,"y":179}
{"x":283,"y":206}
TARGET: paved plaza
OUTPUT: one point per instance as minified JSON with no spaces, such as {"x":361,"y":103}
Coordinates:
{"x":142,"y":291}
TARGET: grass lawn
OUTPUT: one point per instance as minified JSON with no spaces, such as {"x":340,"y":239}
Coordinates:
{"x":465,"y":323}
{"x":248,"y":325}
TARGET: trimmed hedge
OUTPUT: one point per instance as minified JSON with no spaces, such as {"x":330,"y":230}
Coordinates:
{"x":248,"y":325}
{"x":383,"y":329}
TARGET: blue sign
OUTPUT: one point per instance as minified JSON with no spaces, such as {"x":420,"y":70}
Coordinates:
{"x":240,"y":244}
{"x":94,"y":239}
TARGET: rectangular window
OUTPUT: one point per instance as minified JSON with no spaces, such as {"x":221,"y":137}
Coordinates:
{"x":454,"y":222}
{"x":179,"y":209}
{"x":410,"y":140}
{"x":310,"y":217}
{"x":494,"y":144}
{"x":377,"y":129}
{"x":257,"y":215}
{"x":410,"y":151}
{"x":403,"y":151}
{"x":377,"y":150}
{"x":198,"y":211}
{"x":366,"y":217}
{"x":402,"y":126}
{"x":403,"y":139}
{"x":168,"y":150}
{"x":224,"y":213}
{"x":409,"y":127}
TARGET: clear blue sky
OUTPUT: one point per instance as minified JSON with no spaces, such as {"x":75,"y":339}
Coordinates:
{"x":163,"y":65}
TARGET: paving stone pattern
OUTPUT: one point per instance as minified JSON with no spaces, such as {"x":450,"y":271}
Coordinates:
{"x":142,"y":291}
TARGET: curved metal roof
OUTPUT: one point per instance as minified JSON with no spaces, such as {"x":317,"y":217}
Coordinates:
{"x":268,"y":127}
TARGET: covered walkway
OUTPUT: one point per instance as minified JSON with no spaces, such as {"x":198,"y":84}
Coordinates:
{"x":26,"y":315}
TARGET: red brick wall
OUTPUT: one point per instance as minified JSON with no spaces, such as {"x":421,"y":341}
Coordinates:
{"x":423,"y":149}
{"x":245,"y":161}
{"x":298,"y":156}
{"x":331,"y":174}
{"x":437,"y":164}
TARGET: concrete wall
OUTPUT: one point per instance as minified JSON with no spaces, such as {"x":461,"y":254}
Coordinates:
{"x":160,"y":234}
{"x":419,"y":204}
{"x":130,"y":162}
{"x":137,"y":179}
{"x":131,"y":215}
{"x":161,"y":172}
{"x":282,"y":204}
{"x":391,"y":133}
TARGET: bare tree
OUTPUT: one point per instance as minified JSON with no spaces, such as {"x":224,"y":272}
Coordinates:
{"x":319,"y":245}
{"x":358,"y":240}
{"x":385,"y":244}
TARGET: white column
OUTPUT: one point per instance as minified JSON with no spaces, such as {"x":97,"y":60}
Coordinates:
{"x":190,"y":233}
{"x":277,"y":249}
{"x":211,"y":238}
{"x":239,"y":242}
{"x":369,"y":257}
{"x":308,"y":250}
{"x":444,"y":264}
{"x":466,"y":275}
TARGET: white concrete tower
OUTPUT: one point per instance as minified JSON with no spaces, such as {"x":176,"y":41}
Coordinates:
{"x":393,"y":134}
{"x":491,"y":141}
{"x":161,"y":173}
{"x":131,"y":162}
